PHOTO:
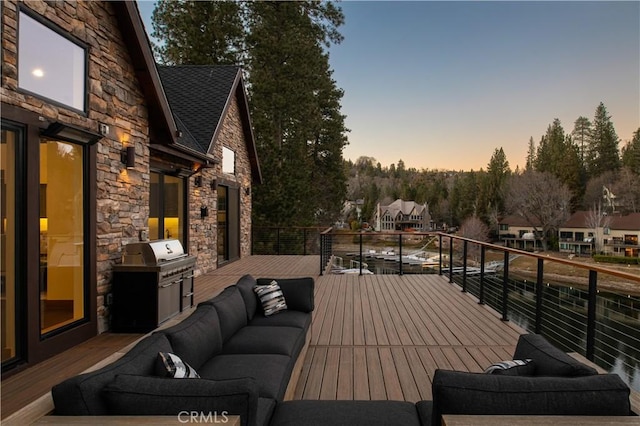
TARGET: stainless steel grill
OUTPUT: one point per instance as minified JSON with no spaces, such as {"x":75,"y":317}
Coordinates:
{"x":153,"y":283}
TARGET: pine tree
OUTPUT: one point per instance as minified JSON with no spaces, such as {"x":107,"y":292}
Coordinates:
{"x":496,"y":177}
{"x":603,"y":154}
{"x":631,"y":153}
{"x":580,"y":135}
{"x":531,"y":155}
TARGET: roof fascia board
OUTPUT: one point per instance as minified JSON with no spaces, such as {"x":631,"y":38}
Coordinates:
{"x":144,"y":64}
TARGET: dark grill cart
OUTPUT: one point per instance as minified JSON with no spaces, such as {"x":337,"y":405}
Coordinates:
{"x":153,"y":283}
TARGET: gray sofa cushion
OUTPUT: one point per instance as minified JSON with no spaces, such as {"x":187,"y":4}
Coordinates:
{"x":456,"y":392}
{"x":245,"y":284}
{"x":231,"y":310}
{"x":266,"y":340}
{"x":425,"y":412}
{"x":298,"y":292}
{"x":351,"y":413}
{"x":266,"y":406}
{"x":196,"y":339}
{"x":271,"y":372}
{"x":548,"y":360}
{"x":82,"y":395}
{"x":144,"y":396}
{"x":287,"y":318}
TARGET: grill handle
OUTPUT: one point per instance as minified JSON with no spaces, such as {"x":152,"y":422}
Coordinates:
{"x":171,"y":283}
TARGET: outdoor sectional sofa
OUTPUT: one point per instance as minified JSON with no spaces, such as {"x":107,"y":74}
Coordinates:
{"x":245,"y":361}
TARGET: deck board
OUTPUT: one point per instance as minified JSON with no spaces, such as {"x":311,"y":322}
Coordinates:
{"x":383,"y":336}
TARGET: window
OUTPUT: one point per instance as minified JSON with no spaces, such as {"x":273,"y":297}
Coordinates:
{"x":166,"y":207}
{"x":50,"y":65}
{"x":228,"y":161}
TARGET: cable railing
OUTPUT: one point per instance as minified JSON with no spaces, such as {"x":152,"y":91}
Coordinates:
{"x":285,"y":240}
{"x":580,"y":306}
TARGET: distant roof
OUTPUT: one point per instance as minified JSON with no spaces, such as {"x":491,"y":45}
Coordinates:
{"x":404,"y":207}
{"x":629,"y":221}
{"x":516,"y":220}
{"x":199,"y":97}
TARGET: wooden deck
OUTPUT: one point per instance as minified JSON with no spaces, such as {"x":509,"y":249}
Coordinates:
{"x":372,"y":337}
{"x":383,"y":336}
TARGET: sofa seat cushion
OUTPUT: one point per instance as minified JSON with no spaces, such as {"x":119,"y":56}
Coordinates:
{"x":266,"y":340}
{"x":287,"y":318}
{"x":271,"y":372}
{"x":352,"y":413}
{"x":146,"y":396}
{"x":425,"y":412}
{"x":82,"y":395}
{"x":198,"y":337}
{"x":456,"y":392}
{"x":548,"y":359}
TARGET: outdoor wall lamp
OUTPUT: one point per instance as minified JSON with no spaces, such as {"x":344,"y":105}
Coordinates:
{"x":128,"y":157}
{"x":214,"y":185}
{"x":247,"y":190}
{"x":204,"y":212}
{"x":197,"y":181}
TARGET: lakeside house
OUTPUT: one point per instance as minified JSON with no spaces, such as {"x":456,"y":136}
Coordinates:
{"x":402,"y":215}
{"x":614,"y":234}
{"x":102,"y":148}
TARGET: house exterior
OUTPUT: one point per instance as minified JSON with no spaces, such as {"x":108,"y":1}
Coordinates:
{"x":616,"y":234}
{"x":402,"y":216}
{"x":97,"y":153}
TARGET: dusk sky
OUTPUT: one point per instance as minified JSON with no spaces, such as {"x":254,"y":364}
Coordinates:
{"x":441,"y":85}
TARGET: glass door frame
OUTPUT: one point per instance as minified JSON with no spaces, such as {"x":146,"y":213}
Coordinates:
{"x":37,"y":347}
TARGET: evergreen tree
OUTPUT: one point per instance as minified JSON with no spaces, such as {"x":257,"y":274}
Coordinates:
{"x":631,"y":153}
{"x":295,"y":104}
{"x":603,"y":154}
{"x":496,"y":177}
{"x":531,"y":155}
{"x":580,"y":135}
{"x":198,"y":32}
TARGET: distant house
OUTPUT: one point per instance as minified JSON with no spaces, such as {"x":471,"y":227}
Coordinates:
{"x":517,"y":233}
{"x":402,"y":216}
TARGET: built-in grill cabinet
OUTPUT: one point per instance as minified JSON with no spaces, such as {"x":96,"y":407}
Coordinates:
{"x":153,"y":283}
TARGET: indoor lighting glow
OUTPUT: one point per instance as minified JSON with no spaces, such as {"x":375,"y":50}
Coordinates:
{"x":38,"y":72}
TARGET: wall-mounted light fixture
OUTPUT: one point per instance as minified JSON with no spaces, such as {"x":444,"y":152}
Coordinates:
{"x":197,"y":181}
{"x":247,"y":190}
{"x":214,"y":184}
{"x":69,"y":133}
{"x":128,"y":157}
{"x":204,"y":212}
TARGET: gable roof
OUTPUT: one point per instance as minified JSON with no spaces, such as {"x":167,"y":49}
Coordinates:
{"x":200,"y":97}
{"x":628,"y":222}
{"x":404,"y":207}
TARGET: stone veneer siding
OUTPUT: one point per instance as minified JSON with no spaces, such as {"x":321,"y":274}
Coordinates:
{"x":203,"y":232}
{"x":115,"y":99}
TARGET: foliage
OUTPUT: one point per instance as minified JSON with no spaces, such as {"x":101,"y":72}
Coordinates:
{"x":617,"y":259}
{"x":294,"y":101}
{"x":602,"y":154}
{"x":631,"y":153}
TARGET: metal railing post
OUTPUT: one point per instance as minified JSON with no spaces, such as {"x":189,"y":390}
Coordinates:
{"x":278,"y":241}
{"x":400,"y":252}
{"x":482,"y":260}
{"x":505,"y":287}
{"x":439,"y":254}
{"x":361,"y":260}
{"x":591,"y":315}
{"x":322,"y":255}
{"x":464,"y":266}
{"x":450,"y":259}
{"x":304,"y":241}
{"x":539,"y":295}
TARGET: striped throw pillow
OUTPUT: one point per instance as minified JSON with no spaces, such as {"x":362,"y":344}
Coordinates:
{"x":170,"y":365}
{"x":517,"y":367}
{"x":271,"y":297}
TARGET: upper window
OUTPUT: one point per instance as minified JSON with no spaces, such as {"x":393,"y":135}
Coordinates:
{"x":50,"y":65}
{"x":228,"y":161}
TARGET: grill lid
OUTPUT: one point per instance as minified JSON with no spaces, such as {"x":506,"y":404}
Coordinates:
{"x":152,"y":252}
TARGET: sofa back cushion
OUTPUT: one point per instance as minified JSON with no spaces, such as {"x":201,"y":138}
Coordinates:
{"x":548,"y":359}
{"x":456,"y":392}
{"x":231,"y":310}
{"x":298,"y":292}
{"x":83,"y":395}
{"x":198,"y":338}
{"x":245,"y":285}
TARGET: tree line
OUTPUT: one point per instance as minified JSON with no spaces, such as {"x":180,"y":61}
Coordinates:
{"x":564,"y":172}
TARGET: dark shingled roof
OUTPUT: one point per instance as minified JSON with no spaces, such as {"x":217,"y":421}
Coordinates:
{"x":198,"y":95}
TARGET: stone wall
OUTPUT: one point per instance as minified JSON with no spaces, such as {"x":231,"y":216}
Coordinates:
{"x":203,"y":231}
{"x":114,"y":99}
